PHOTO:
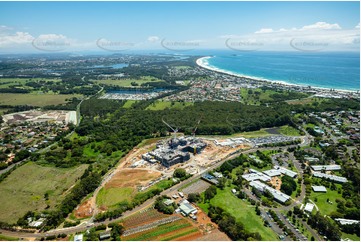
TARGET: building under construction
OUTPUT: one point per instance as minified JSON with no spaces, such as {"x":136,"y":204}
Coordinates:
{"x":174,"y":151}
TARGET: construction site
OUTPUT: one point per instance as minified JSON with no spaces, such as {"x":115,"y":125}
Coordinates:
{"x":192,"y":153}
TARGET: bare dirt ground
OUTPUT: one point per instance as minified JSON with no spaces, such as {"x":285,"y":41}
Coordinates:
{"x":209,"y":230}
{"x":276,"y":182}
{"x":213,"y":152}
{"x":132,"y":177}
{"x":190,"y":237}
{"x":85,"y":210}
{"x":214,"y":235}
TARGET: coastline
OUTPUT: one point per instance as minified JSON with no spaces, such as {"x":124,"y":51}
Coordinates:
{"x":200,"y":62}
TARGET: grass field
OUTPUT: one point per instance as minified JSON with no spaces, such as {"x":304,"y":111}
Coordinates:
{"x":3,"y":110}
{"x":110,"y":197}
{"x":352,"y":237}
{"x":325,"y":207}
{"x":6,"y":82}
{"x":182,"y":67}
{"x":23,"y":190}
{"x":129,"y":103}
{"x":34,"y":99}
{"x":7,"y":238}
{"x":161,"y":105}
{"x":254,"y":96}
{"x":242,"y":211}
{"x":127,"y":82}
{"x":288,"y":130}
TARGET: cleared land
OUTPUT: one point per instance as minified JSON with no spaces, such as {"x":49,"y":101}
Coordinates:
{"x":242,"y":211}
{"x":123,"y":186}
{"x":128,"y":82}
{"x":23,"y":190}
{"x":161,"y":105}
{"x":34,"y":99}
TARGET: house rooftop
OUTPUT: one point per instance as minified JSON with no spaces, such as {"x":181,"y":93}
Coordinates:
{"x":309,"y":207}
{"x":326,"y":167}
{"x":319,"y":189}
{"x":272,"y":172}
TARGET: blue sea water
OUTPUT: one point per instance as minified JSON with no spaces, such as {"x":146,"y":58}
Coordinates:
{"x":328,"y":70}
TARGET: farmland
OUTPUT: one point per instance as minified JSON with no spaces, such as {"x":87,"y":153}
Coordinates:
{"x":31,"y":99}
{"x":242,"y":211}
{"x":24,"y":189}
{"x":128,"y":82}
{"x":170,"y":231}
{"x":143,"y":217}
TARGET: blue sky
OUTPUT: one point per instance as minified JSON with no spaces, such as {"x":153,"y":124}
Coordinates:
{"x":143,"y":25}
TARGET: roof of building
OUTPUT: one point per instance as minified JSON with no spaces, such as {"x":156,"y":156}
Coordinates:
{"x":347,"y":221}
{"x":78,"y":237}
{"x":311,"y":158}
{"x":326,"y":167}
{"x":187,"y":208}
{"x":168,"y":202}
{"x":319,"y":189}
{"x":256,"y":175}
{"x":309,"y":207}
{"x":104,"y":235}
{"x":272,"y":173}
{"x":331,"y":177}
{"x":279,"y":196}
{"x":286,"y":171}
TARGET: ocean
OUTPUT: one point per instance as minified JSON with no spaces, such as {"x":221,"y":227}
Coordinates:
{"x":328,"y":70}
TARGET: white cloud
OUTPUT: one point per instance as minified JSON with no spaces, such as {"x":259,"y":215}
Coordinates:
{"x":263,"y":31}
{"x":321,"y":25}
{"x":17,"y":38}
{"x":329,"y":35}
{"x":4,"y":28}
{"x":153,"y":39}
{"x":357,"y":26}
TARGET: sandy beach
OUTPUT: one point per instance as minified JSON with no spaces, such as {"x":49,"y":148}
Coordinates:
{"x":202,"y":62}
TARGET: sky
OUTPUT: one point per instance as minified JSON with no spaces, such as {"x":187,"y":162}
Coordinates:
{"x":179,"y":26}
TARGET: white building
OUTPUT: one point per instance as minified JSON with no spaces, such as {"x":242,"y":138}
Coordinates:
{"x":319,"y":189}
{"x":309,"y":207}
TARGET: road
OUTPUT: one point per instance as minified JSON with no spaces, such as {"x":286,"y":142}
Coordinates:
{"x":89,"y":224}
